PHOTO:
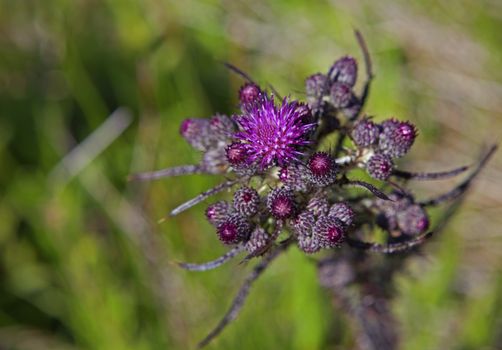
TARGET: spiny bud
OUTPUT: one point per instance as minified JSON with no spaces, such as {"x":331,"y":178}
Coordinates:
{"x":214,"y":161}
{"x":234,"y":229}
{"x":365,"y":133}
{"x":341,"y":95}
{"x":380,"y":166}
{"x":195,"y":132}
{"x":322,"y":169}
{"x":329,"y":231}
{"x":413,"y":220}
{"x":343,"y":212}
{"x":396,"y":137}
{"x":236,"y":154}
{"x":387,"y":216}
{"x":318,"y":205}
{"x":344,"y":70}
{"x":281,"y":203}
{"x":238,"y":158}
{"x":246,"y":201}
{"x":304,"y":225}
{"x":294,"y":176}
{"x":249,"y":93}
{"x":315,"y":87}
{"x":308,"y":244}
{"x":217,"y":212}
{"x":257,"y":241}
{"x":221,"y":127}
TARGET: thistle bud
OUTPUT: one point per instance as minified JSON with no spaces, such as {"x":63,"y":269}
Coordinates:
{"x":304,"y":225}
{"x":315,"y":87}
{"x":233,"y":229}
{"x":246,"y":201}
{"x":257,"y":241}
{"x":343,"y":212}
{"x":341,"y":95}
{"x":281,"y":203}
{"x":330,"y":231}
{"x":322,"y":169}
{"x":214,"y":160}
{"x":217,"y":212}
{"x":249,"y":93}
{"x":294,"y":176}
{"x":196,"y":132}
{"x":308,"y":244}
{"x":344,"y":70}
{"x":221,"y":127}
{"x":236,"y":154}
{"x":318,"y":205}
{"x":365,"y":133}
{"x":380,"y":166}
{"x":396,"y":138}
{"x":413,"y":220}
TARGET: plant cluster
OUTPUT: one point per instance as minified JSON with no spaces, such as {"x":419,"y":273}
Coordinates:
{"x":291,"y":186}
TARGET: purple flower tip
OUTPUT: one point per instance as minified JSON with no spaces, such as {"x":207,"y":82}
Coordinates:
{"x":281,"y":203}
{"x":273,"y":135}
{"x":236,"y":154}
{"x":249,"y":93}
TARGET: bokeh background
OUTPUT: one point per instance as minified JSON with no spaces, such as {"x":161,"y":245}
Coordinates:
{"x":91,"y":91}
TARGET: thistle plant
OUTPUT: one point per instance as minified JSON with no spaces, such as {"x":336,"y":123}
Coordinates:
{"x":292,"y":187}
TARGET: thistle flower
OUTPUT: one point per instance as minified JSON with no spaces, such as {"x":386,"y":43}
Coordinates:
{"x":273,"y":135}
{"x":308,"y":196}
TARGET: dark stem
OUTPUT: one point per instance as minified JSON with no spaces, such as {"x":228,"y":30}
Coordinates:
{"x":390,"y":248}
{"x":464,"y":185}
{"x":201,"y":197}
{"x":369,"y":69}
{"x":407,"y":175}
{"x":239,"y":72}
{"x":375,"y":191}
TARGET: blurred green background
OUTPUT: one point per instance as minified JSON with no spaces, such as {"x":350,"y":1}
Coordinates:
{"x":83,"y":262}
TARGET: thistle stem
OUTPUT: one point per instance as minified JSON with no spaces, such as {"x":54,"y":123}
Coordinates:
{"x":214,"y":263}
{"x":201,"y":197}
{"x":167,"y":172}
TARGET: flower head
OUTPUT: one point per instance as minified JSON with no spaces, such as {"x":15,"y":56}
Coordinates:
{"x":273,"y":135}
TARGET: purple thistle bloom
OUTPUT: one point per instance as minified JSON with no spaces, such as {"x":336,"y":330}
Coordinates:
{"x":272,"y":135}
